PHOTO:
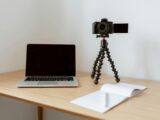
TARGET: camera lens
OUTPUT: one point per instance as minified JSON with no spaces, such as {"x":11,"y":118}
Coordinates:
{"x":102,"y":26}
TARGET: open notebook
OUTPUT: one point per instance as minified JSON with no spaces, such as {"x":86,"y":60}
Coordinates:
{"x":108,"y":96}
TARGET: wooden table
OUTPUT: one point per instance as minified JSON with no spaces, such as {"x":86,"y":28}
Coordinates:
{"x":145,"y":106}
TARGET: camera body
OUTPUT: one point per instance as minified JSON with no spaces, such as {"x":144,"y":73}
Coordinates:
{"x":105,"y":27}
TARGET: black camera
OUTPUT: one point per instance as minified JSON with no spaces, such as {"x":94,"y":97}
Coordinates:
{"x":105,"y":27}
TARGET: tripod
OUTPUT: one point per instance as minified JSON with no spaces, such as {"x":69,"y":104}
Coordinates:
{"x":96,"y":72}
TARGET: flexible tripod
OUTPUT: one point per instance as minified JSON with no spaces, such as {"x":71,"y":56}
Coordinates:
{"x":96,"y":73}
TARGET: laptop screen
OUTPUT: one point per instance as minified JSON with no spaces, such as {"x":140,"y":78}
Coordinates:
{"x":50,"y":60}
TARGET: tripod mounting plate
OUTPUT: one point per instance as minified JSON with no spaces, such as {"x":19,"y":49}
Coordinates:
{"x":102,"y":36}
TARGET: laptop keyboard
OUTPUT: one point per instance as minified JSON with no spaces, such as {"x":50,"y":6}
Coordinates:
{"x":49,"y":79}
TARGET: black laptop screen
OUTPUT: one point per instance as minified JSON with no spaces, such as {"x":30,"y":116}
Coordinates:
{"x":50,"y":60}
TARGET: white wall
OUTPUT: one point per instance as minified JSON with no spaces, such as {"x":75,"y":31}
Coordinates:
{"x":18,"y":26}
{"x":70,"y":21}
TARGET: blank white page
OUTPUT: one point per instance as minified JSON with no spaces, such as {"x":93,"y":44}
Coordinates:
{"x":95,"y":101}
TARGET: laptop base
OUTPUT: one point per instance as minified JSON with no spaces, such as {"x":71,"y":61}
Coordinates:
{"x":47,"y":84}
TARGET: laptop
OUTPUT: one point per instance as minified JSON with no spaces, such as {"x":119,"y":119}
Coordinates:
{"x":50,"y":65}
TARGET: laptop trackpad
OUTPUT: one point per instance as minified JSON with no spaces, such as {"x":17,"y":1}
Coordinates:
{"x":47,"y":83}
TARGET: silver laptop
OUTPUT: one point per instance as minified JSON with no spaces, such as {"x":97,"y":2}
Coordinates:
{"x":50,"y":65}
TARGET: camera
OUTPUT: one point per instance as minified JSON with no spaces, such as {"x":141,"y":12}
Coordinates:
{"x":105,"y":27}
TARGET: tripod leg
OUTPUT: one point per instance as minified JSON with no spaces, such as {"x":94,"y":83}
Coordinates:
{"x":95,"y":64}
{"x":112,"y":64}
{"x":98,"y":74}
